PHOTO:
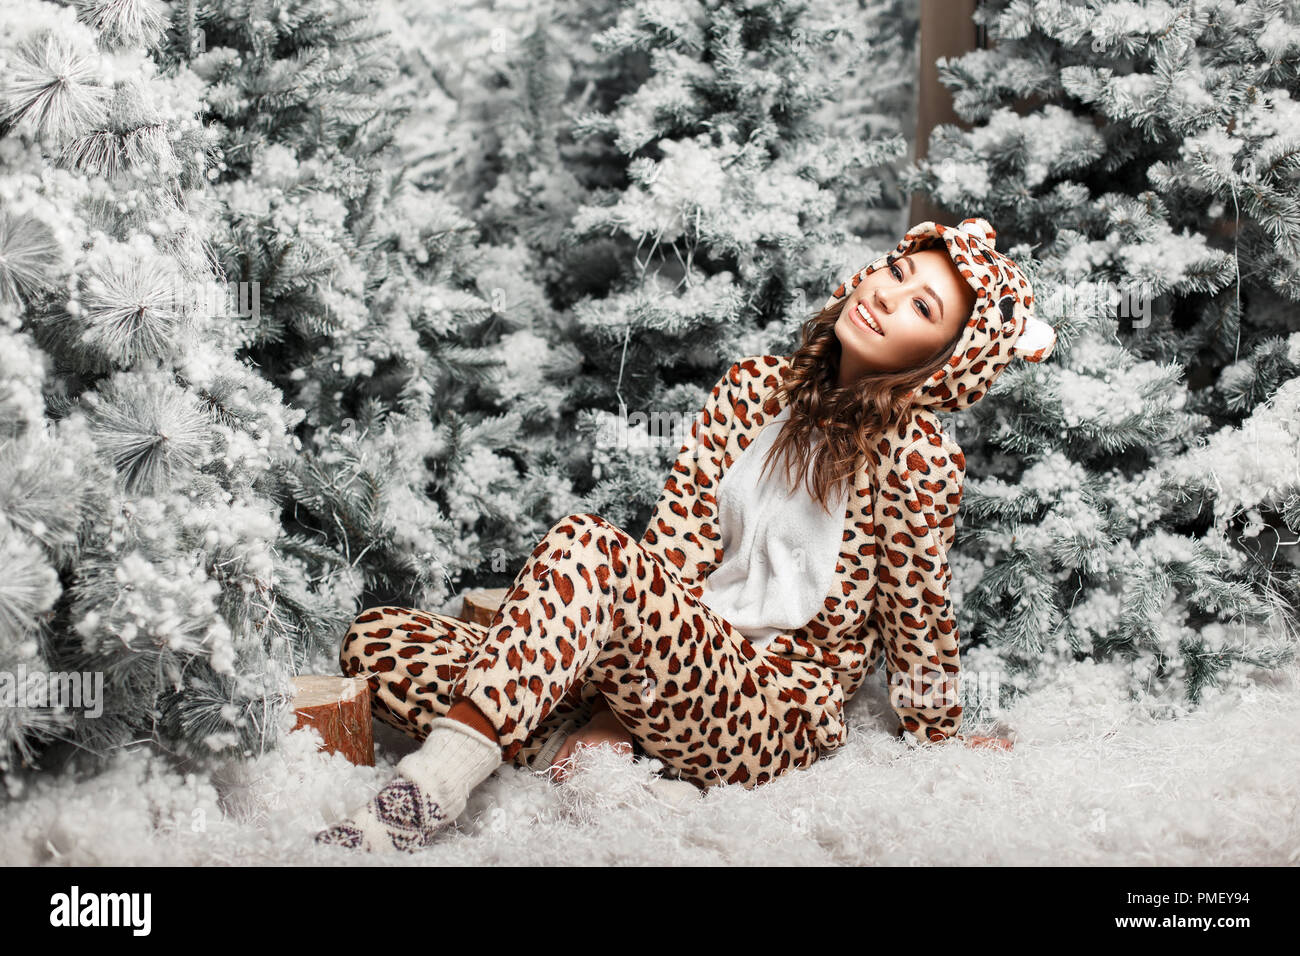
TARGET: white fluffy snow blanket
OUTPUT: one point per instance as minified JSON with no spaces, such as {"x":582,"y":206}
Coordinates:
{"x":1091,"y":780}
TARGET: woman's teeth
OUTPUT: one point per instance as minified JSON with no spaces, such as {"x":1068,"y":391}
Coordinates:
{"x":866,"y":317}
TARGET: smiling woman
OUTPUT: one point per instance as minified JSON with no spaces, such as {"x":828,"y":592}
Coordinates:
{"x":900,"y":317}
{"x":728,"y":638}
{"x":925,"y":328}
{"x":865,"y":354}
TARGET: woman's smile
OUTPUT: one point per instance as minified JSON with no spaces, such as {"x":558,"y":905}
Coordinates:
{"x":867,"y":320}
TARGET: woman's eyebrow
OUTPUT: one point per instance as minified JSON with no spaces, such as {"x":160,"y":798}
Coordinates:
{"x":912,"y":266}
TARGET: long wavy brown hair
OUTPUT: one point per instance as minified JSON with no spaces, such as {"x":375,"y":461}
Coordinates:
{"x":849,"y":418}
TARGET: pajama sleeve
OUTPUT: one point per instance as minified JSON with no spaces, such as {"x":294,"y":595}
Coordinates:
{"x":912,"y":611}
{"x":683,"y":528}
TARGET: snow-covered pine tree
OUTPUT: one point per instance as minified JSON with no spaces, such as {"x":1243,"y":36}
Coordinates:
{"x":874,"y":65}
{"x":1136,"y":500}
{"x":429,"y":456}
{"x":732,"y":221}
{"x":139,"y":522}
{"x":519,"y":73}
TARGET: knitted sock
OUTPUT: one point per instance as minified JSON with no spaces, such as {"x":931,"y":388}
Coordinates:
{"x":430,"y":791}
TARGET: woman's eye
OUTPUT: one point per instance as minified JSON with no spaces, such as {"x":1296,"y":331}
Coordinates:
{"x":898,"y":274}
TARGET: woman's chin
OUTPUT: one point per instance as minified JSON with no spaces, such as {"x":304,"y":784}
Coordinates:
{"x":849,"y":335}
{"x":852,"y":346}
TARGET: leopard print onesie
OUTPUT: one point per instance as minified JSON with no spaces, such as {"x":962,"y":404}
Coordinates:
{"x":596,"y":611}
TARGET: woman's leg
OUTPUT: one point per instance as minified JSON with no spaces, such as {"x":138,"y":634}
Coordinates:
{"x":412,"y":658}
{"x":592,"y":605}
{"x":409,"y":659}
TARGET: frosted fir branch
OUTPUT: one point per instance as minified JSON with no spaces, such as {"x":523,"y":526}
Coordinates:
{"x":469,"y":365}
{"x":1201,"y":574}
{"x":483,"y":484}
{"x":1035,"y":614}
{"x":150,"y":617}
{"x":248,"y":604}
{"x":1145,"y":591}
{"x":1278,"y":158}
{"x":1206,"y":662}
{"x":144,"y":147}
{"x":1256,"y":464}
{"x":25,"y":731}
{"x":415,"y":397}
{"x":42,"y":492}
{"x":151,"y":429}
{"x":28,"y":588}
{"x":131,"y":309}
{"x":310,"y":482}
{"x":310,"y":549}
{"x":1247,"y":383}
{"x":992,"y":498}
{"x":315,"y":610}
{"x":53,"y":86}
{"x":22,"y":370}
{"x":497,"y":431}
{"x":125,"y":22}
{"x":30,"y":257}
{"x":351,"y":501}
{"x":217,"y":712}
{"x":1291,"y":512}
{"x":1277,"y":213}
{"x":1017,"y":576}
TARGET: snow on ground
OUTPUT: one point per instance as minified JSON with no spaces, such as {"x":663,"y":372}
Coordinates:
{"x":1091,"y":781}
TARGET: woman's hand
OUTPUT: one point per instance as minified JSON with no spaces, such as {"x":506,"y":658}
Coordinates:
{"x":603,"y":728}
{"x":1001,"y":743}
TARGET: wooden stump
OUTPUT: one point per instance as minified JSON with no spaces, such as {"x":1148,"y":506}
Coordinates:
{"x":339,"y":709}
{"x":481,"y":606}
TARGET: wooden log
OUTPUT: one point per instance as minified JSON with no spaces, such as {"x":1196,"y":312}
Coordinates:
{"x":339,"y":709}
{"x":481,"y":606}
{"x":947,"y":29}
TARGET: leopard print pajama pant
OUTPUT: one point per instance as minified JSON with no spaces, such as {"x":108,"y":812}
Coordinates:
{"x":591,"y":612}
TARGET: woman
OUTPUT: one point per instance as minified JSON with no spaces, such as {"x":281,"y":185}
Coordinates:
{"x":726,"y":641}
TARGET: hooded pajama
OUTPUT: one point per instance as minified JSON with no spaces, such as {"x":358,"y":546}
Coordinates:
{"x":595,"y":611}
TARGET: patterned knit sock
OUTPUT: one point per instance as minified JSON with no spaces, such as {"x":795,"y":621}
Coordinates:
{"x":430,"y":791}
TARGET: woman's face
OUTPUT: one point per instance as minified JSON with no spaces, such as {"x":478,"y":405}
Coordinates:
{"x":917,"y":304}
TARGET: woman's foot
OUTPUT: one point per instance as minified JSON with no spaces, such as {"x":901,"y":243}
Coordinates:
{"x":401,"y":816}
{"x":602,"y":728}
{"x":429,"y":792}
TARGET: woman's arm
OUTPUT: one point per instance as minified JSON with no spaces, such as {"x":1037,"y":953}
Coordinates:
{"x":913,"y":611}
{"x":683,"y":529}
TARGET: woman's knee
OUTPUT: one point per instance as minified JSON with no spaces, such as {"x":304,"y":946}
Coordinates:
{"x":578,"y":519}
{"x":349,"y":653}
{"x":583,"y":528}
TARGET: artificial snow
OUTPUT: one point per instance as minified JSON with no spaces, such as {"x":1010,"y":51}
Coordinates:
{"x":1093,"y":779}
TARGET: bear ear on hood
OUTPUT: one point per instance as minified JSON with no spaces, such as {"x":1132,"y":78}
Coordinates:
{"x":979,"y":227}
{"x":1036,"y":340}
{"x":1035,"y":343}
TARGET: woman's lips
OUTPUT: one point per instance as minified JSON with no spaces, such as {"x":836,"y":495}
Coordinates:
{"x":860,"y":320}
